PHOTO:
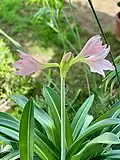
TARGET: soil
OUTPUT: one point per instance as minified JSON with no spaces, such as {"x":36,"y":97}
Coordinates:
{"x":106,"y":11}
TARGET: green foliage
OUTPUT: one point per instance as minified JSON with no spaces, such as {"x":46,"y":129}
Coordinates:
{"x":26,"y":132}
{"x":9,"y":10}
{"x":92,"y":135}
{"x":111,"y":78}
{"x":10,"y":83}
{"x":51,"y":3}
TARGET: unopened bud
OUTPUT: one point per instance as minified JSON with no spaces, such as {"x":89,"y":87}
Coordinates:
{"x":67,"y":56}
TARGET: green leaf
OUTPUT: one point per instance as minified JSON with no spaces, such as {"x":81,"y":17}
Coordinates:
{"x":80,"y":117}
{"x":41,"y":148}
{"x":9,"y":121}
{"x":40,"y":115}
{"x":4,"y":139}
{"x":11,"y":39}
{"x":6,"y":115}
{"x":9,"y":132}
{"x":109,"y":113}
{"x":69,"y":139}
{"x":42,"y":11}
{"x":111,"y":77}
{"x":113,"y":154}
{"x":14,"y":155}
{"x":26,"y":132}
{"x":115,"y":115}
{"x":50,"y":99}
{"x":106,"y":138}
{"x":54,"y":104}
{"x":89,"y":153}
{"x":90,"y":130}
{"x":87,"y":122}
{"x":48,"y":143}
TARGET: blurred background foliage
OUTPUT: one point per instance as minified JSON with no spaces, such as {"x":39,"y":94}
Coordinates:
{"x":52,"y":24}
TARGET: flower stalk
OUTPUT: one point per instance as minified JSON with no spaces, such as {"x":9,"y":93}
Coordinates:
{"x":63,"y":147}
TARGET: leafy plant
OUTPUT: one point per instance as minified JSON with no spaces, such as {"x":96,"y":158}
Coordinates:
{"x":82,"y":135}
{"x":50,"y":134}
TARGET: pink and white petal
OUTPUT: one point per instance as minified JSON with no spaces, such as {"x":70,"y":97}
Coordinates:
{"x":100,"y":65}
{"x":100,"y":55}
{"x":18,"y":64}
{"x":25,"y":71}
{"x":96,"y":69}
{"x":103,"y":53}
{"x":27,"y":57}
{"x":93,"y":45}
{"x":27,"y":64}
{"x":105,"y":64}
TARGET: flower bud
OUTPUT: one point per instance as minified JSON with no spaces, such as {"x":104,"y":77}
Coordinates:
{"x":66,"y":63}
{"x":67,"y":56}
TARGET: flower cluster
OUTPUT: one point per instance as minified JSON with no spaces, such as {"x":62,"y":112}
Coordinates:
{"x":93,"y":54}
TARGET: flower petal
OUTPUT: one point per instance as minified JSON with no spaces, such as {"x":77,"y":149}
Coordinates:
{"x":94,"y":47}
{"x":27,"y":64}
{"x":100,"y":65}
{"x":96,"y":69}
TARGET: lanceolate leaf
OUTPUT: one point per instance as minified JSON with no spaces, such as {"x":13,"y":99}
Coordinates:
{"x":42,"y":150}
{"x":106,"y":138}
{"x":115,"y":115}
{"x":109,"y":113}
{"x":54,"y":103}
{"x":113,"y":154}
{"x":8,"y":121}
{"x":42,"y":11}
{"x":6,"y":115}
{"x":27,"y":132}
{"x":40,"y":115}
{"x":9,"y":126}
{"x":80,"y":116}
{"x":69,"y":139}
{"x":87,"y":122}
{"x":89,"y":153}
{"x":10,"y":133}
{"x":90,"y":130}
{"x":12,"y":156}
{"x":50,"y":99}
{"x":4,"y":139}
{"x":48,"y":143}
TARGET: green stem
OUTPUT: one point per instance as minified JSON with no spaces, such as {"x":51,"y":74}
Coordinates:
{"x":87,"y":81}
{"x":63,"y":150}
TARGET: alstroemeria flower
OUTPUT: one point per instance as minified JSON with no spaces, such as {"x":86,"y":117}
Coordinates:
{"x":27,"y":65}
{"x":94,"y":54}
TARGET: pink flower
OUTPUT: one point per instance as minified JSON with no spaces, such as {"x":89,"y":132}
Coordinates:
{"x":95,"y":53}
{"x":27,"y":64}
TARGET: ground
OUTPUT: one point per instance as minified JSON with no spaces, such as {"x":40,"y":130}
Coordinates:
{"x":106,"y":11}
